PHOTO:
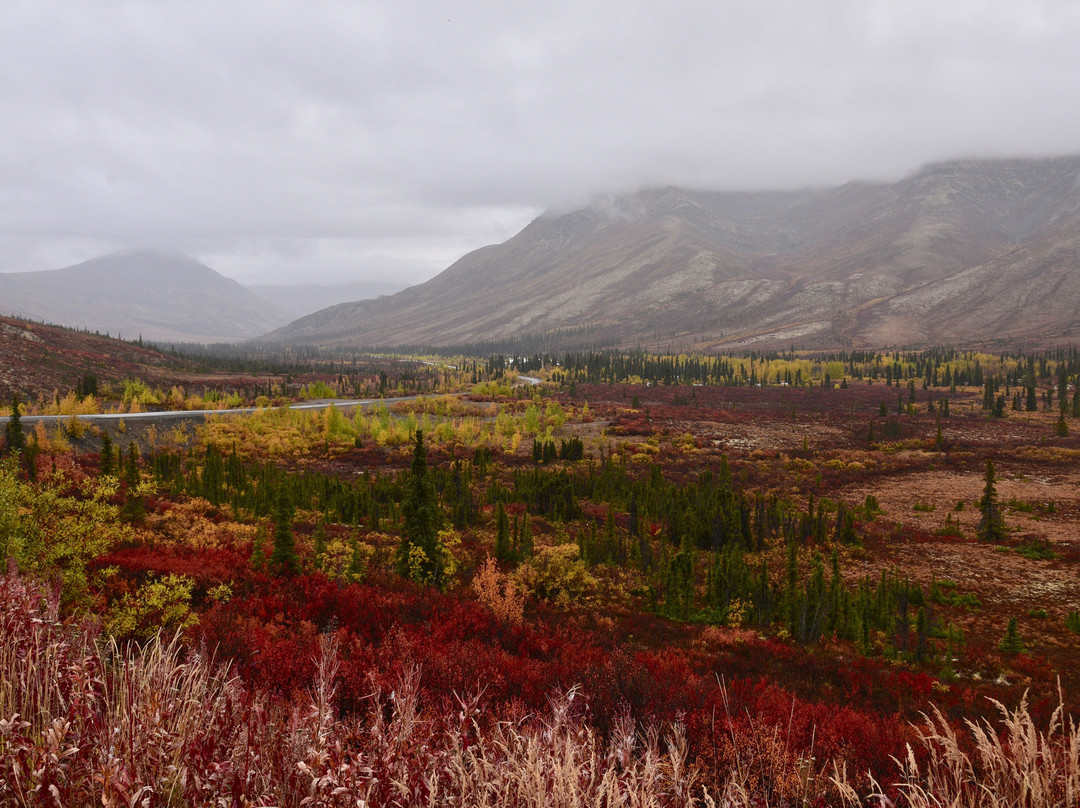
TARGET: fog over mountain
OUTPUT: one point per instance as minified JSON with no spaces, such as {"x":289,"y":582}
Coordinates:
{"x":307,"y":298}
{"x":959,"y":252}
{"x":162,"y":297}
{"x":285,"y":142}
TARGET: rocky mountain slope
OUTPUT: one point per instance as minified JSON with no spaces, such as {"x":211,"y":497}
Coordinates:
{"x":165,"y":298}
{"x":967,"y":251}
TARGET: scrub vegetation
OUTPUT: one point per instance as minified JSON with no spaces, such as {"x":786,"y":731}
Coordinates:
{"x":648,"y":580}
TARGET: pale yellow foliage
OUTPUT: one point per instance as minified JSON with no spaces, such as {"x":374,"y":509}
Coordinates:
{"x":558,"y":574}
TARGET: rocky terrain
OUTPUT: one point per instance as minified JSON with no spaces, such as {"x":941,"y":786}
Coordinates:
{"x":961,"y":252}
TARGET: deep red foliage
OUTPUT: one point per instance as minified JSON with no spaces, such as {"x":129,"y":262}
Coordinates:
{"x":850,"y":708}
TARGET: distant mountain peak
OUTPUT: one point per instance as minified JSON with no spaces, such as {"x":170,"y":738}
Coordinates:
{"x":165,"y":296}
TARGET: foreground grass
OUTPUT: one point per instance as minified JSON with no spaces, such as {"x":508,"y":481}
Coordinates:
{"x":83,"y":722}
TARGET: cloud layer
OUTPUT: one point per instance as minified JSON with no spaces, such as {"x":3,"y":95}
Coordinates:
{"x":340,"y":139}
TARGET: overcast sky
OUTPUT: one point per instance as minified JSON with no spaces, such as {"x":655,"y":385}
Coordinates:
{"x":326,"y":141}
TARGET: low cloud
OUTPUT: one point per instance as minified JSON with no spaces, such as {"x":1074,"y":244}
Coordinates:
{"x":347,"y":138}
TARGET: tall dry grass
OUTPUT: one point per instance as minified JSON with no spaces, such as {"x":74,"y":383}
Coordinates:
{"x":1016,"y":765}
{"x":83,"y":722}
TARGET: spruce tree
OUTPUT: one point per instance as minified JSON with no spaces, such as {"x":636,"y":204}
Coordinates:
{"x":991,"y":525}
{"x":106,"y":463}
{"x":1061,"y":427}
{"x":1012,"y":643}
{"x":503,"y":549}
{"x":283,"y":557}
{"x":525,"y":549}
{"x":14,"y":439}
{"x":258,"y":548}
{"x":418,"y":553}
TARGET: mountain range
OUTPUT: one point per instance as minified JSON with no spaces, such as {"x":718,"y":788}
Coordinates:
{"x":961,"y":252}
{"x":160,"y":296}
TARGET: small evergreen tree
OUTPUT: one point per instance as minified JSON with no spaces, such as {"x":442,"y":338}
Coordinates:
{"x":283,"y":557}
{"x":418,"y":553}
{"x":14,"y":439}
{"x":1061,"y":428}
{"x":134,"y":507}
{"x":106,"y":462}
{"x":503,"y":549}
{"x":991,"y":526}
{"x":258,"y":548}
{"x":525,"y":539}
{"x":1012,"y":643}
{"x":1031,"y":402}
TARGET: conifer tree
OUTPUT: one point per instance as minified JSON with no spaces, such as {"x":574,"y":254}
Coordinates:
{"x":258,"y":548}
{"x":1012,"y":643}
{"x":503,"y":548}
{"x":525,"y":547}
{"x":283,"y":557}
{"x":106,"y":463}
{"x":1061,"y":427}
{"x":418,"y":553}
{"x":134,"y":508}
{"x":991,"y":526}
{"x":14,"y":439}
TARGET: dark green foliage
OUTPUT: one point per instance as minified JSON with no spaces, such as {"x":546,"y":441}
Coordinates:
{"x":545,"y":451}
{"x":258,"y":548}
{"x":845,"y":526}
{"x":1036,"y":551}
{"x":459,"y":497}
{"x":107,"y":458}
{"x":991,"y":525}
{"x":1061,"y":428}
{"x":418,"y":553}
{"x":1072,"y":622}
{"x":131,"y":474}
{"x":86,"y":386}
{"x":504,"y":550}
{"x":950,"y":528}
{"x":572,"y":449}
{"x":679,"y":589}
{"x":212,"y":479}
{"x":283,"y":557}
{"x":1012,"y":642}
{"x":892,"y":429}
{"x":14,"y":439}
{"x":525,"y":539}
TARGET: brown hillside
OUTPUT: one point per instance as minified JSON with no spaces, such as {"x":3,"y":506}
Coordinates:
{"x":38,"y":360}
{"x":968,"y":251}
